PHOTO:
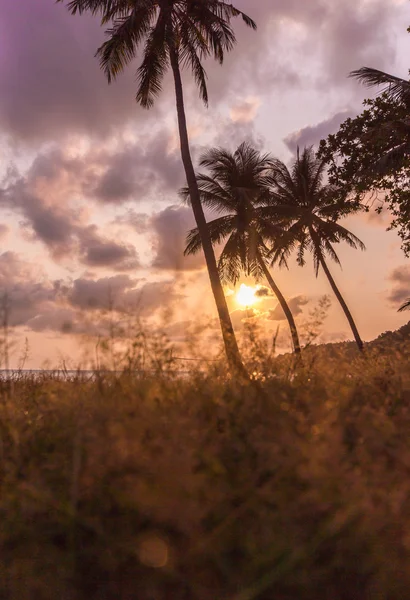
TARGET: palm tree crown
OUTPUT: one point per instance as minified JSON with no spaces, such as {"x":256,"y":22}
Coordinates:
{"x":312,"y":209}
{"x":194,"y":29}
{"x":235,"y":188}
{"x":238,"y":189}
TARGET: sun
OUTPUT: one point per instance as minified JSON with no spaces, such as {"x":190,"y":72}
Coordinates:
{"x":246,"y":295}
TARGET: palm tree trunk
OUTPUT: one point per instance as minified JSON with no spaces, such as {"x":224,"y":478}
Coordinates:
{"x":343,"y":304}
{"x":231,"y":345}
{"x":284,"y":305}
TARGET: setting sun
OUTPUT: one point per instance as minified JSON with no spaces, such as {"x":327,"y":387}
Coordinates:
{"x":246,"y":295}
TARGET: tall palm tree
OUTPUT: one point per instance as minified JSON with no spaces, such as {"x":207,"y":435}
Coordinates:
{"x":176,"y":33}
{"x":301,"y":197}
{"x":237,"y":188}
{"x":397,"y":130}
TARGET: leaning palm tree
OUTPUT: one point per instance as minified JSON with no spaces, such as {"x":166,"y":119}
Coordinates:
{"x":237,"y":188}
{"x":310,"y":206}
{"x":180,"y":34}
{"x":397,"y":130}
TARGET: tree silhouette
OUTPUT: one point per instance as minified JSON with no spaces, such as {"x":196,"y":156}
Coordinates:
{"x":179,"y":34}
{"x":397,"y":130}
{"x":312,"y":210}
{"x":237,"y":188}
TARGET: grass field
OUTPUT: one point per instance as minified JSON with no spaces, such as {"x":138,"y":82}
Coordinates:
{"x":157,"y":487}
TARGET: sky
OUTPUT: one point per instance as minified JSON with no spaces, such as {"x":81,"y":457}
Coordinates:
{"x":91,"y":219}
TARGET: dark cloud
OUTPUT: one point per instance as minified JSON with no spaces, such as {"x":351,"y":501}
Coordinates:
{"x":138,"y":171}
{"x":101,"y":293}
{"x":170,"y":228}
{"x":22,"y":293}
{"x":55,"y":318}
{"x":400,"y":278}
{"x":294,"y":34}
{"x":47,"y":199}
{"x":97,"y":251}
{"x":311,"y":135}
{"x":54,"y":84}
{"x":139,"y":222}
{"x":42,"y":198}
{"x":120,"y":293}
{"x":295,"y":304}
{"x":263,"y":292}
{"x":39,"y":304}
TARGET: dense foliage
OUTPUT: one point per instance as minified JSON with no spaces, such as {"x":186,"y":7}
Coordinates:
{"x":369,"y":159}
{"x":158,"y":487}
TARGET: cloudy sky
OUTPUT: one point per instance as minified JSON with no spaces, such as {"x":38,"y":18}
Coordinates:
{"x":90,"y":214}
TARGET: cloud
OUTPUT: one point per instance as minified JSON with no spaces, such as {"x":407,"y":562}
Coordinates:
{"x":400,"y":278}
{"x":231,"y":134}
{"x":239,"y":317}
{"x":312,"y":134}
{"x":170,"y":228}
{"x":245,"y":111}
{"x":23,"y":291}
{"x":103,"y":293}
{"x":54,"y":84}
{"x":55,"y":318}
{"x":137,"y":171}
{"x":153,"y":296}
{"x":38,"y":304}
{"x":4,"y":230}
{"x":139,"y":222}
{"x":47,"y":198}
{"x":303,"y":44}
{"x":263,"y":292}
{"x":97,"y":251}
{"x":295,"y":304}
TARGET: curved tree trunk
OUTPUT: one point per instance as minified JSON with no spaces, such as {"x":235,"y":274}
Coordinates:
{"x":284,"y":305}
{"x":231,"y":346}
{"x":342,"y":302}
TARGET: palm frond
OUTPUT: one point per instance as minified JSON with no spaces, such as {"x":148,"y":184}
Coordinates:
{"x":395,"y":87}
{"x":109,"y":9}
{"x":218,"y":229}
{"x":125,"y":36}
{"x":151,"y":72}
{"x":190,"y":58}
{"x":233,"y":259}
{"x":336,"y":233}
{"x":405,"y":306}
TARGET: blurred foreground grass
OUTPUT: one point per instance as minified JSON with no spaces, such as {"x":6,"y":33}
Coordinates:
{"x":157,"y":487}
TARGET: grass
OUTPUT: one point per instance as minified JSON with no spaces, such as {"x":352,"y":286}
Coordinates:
{"x":157,"y":487}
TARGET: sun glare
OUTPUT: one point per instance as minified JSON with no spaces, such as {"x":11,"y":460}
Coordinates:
{"x":246,"y":295}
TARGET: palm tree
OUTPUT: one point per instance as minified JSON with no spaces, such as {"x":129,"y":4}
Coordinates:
{"x":176,"y":33}
{"x":312,"y":211}
{"x":397,"y":130}
{"x":237,"y":188}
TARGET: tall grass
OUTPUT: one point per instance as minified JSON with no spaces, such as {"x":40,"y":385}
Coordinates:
{"x":150,"y":486}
